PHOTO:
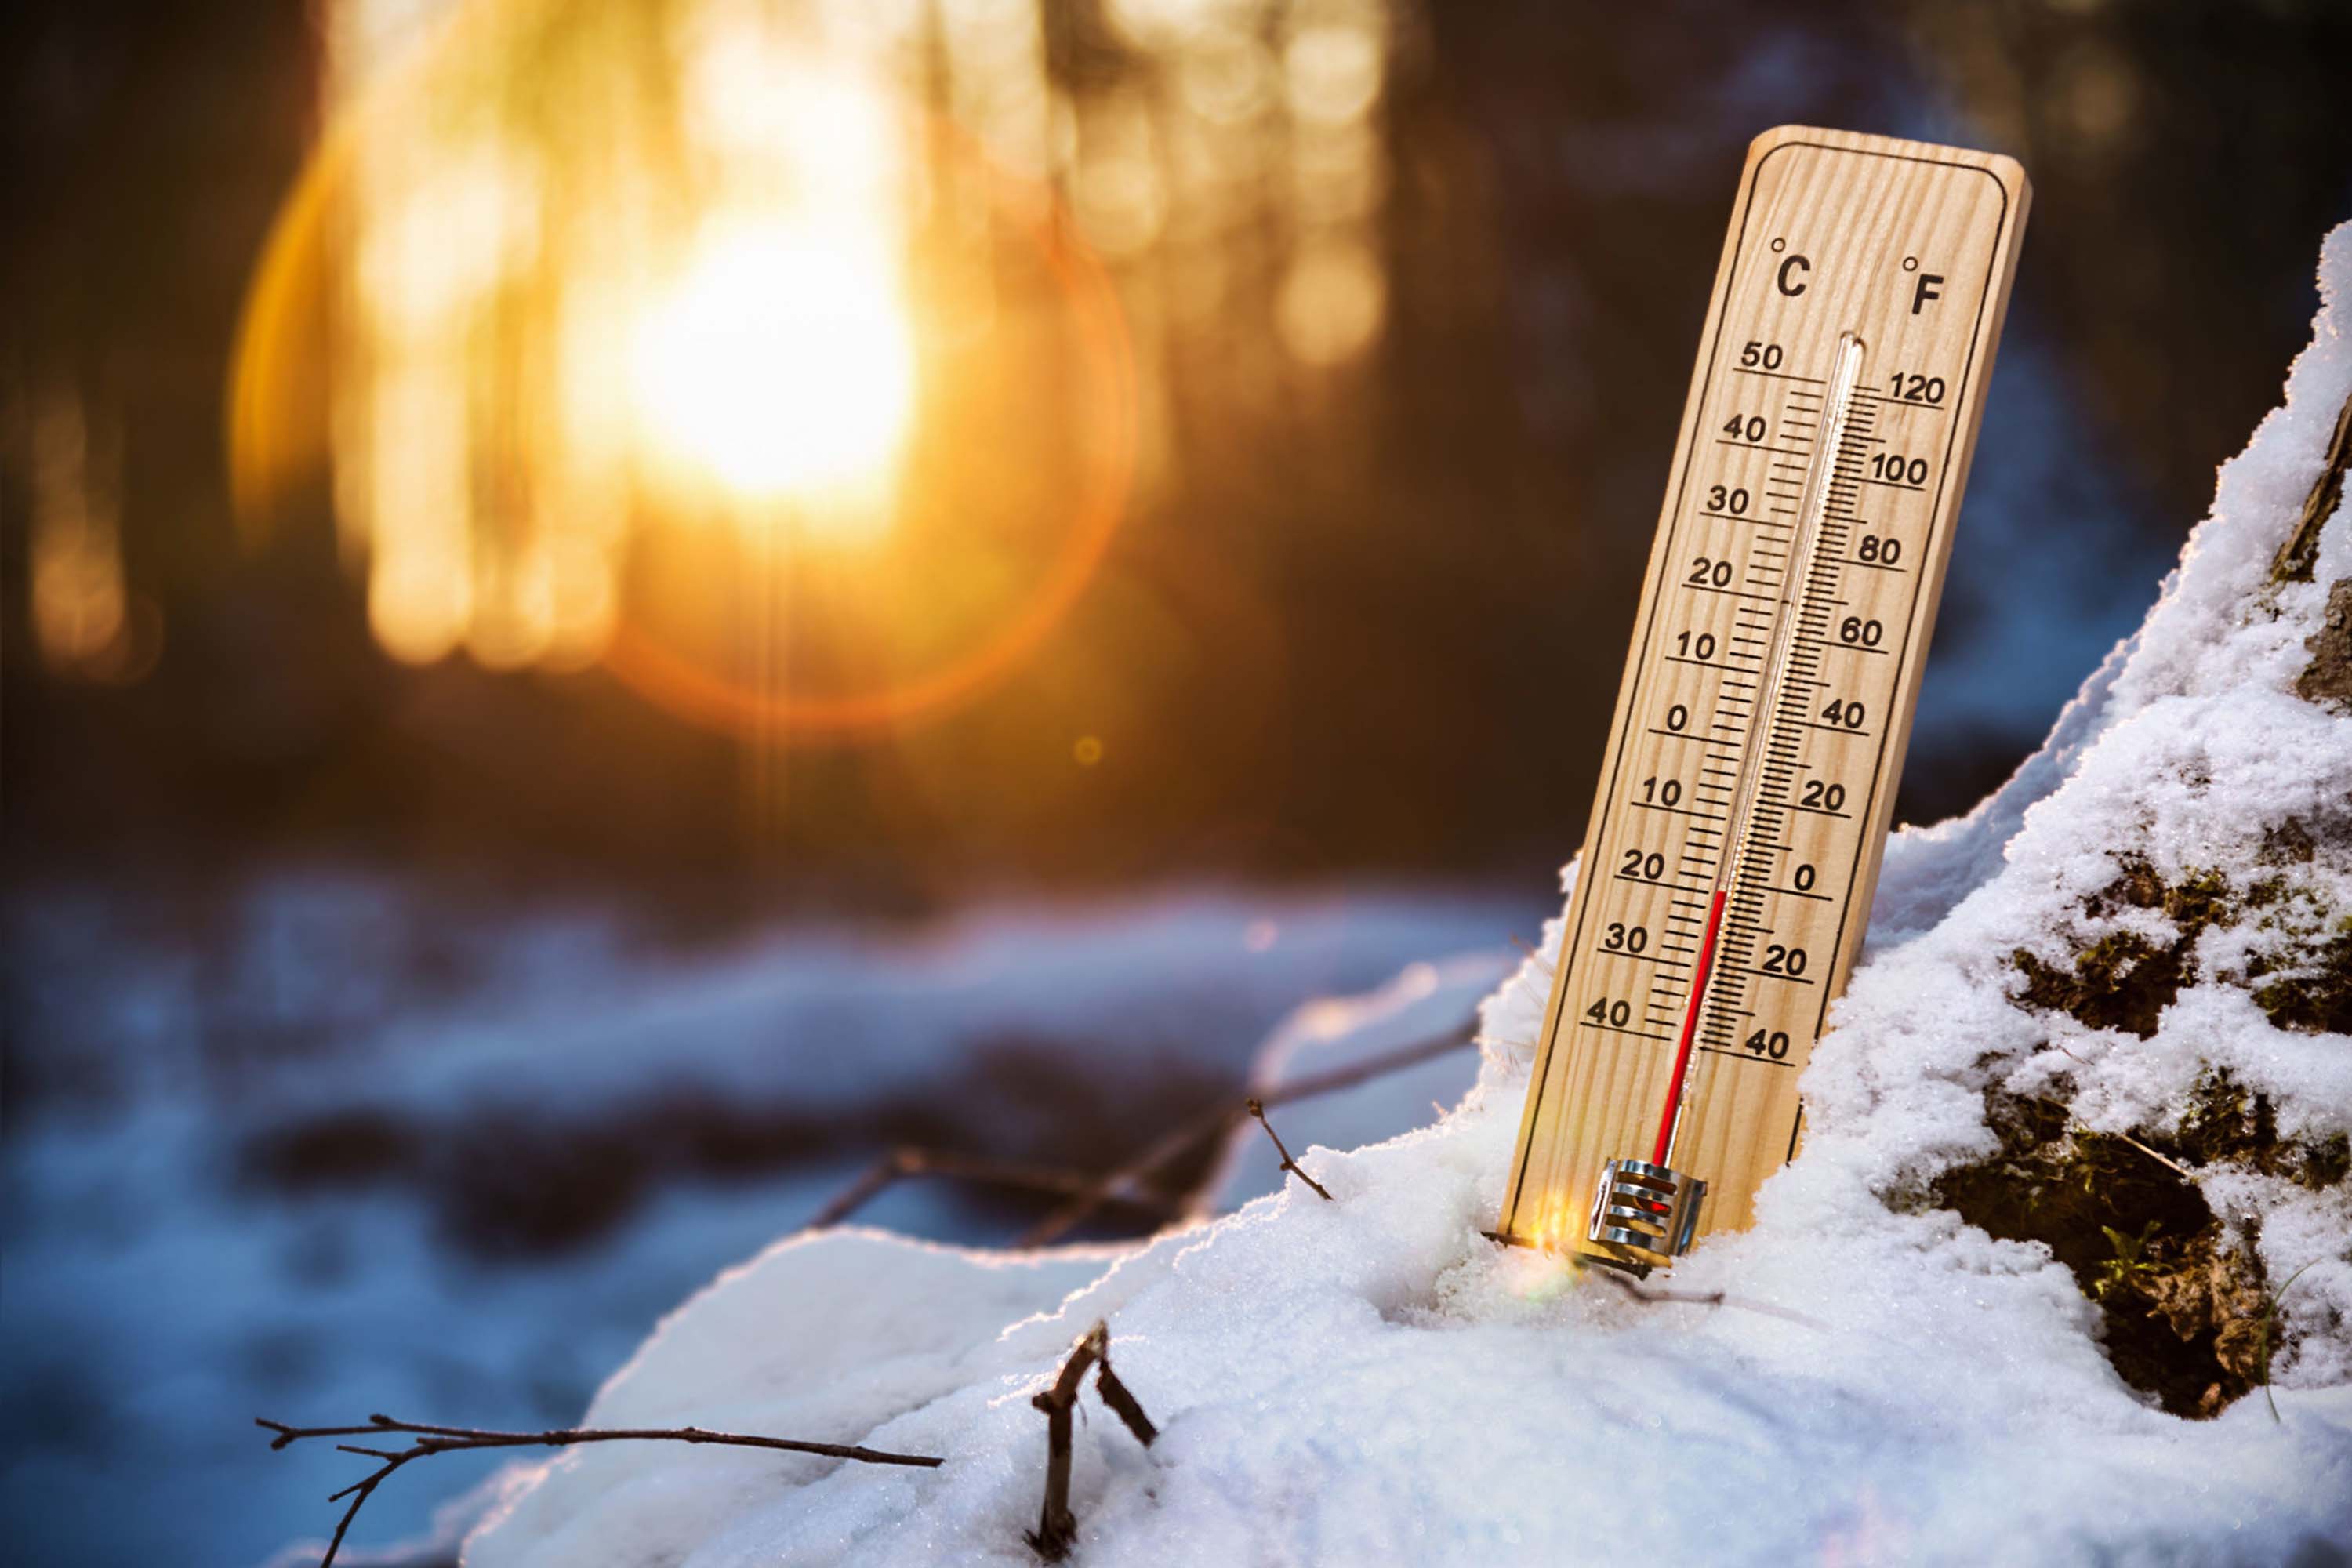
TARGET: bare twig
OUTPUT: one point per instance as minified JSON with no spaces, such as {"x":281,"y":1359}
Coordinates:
{"x":1057,"y":1527}
{"x":2078,"y":1127}
{"x":1123,"y":1403}
{"x":1644,"y":1293}
{"x":1221,"y":1119}
{"x":868,"y":1184}
{"x":1641,"y":1292}
{"x":1546,"y":964}
{"x":909,"y":1160}
{"x":2183,"y":1170}
{"x":1257,"y":1108}
{"x":1618,"y":1281}
{"x":432,"y":1440}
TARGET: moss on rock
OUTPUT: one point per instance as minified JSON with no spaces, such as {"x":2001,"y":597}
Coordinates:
{"x":2124,"y":981}
{"x":2173,"y":1288}
{"x":2182,"y":1294}
{"x":2316,"y":996}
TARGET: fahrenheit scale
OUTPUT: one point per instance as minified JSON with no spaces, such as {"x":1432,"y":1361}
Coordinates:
{"x":1760,"y":725}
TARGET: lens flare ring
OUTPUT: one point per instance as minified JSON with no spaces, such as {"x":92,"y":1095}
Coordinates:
{"x":703,"y":401}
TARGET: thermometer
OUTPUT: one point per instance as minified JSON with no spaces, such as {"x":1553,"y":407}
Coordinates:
{"x":1760,"y":725}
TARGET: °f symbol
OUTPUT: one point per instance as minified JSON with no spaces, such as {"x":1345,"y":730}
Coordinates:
{"x":1923,"y":287}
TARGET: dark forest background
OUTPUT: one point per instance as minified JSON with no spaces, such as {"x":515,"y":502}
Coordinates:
{"x":1401,"y":665}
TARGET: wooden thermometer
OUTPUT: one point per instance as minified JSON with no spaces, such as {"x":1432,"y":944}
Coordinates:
{"x":1762,"y":721}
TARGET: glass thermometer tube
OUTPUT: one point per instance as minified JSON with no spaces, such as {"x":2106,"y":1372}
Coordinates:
{"x":1828,"y":453}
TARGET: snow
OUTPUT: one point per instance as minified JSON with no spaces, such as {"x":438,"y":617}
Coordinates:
{"x":1423,"y":1003}
{"x":1370,"y":1379}
{"x":157,"y":1293}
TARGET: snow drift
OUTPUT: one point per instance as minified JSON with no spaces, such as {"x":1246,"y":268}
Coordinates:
{"x":2143,"y":925}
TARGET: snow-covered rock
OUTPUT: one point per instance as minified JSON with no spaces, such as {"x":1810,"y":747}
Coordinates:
{"x":2143,"y":913}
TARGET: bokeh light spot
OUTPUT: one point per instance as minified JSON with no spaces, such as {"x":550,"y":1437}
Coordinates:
{"x":1332,"y":304}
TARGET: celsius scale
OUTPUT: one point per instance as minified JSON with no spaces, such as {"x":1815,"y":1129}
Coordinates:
{"x":1760,"y":725}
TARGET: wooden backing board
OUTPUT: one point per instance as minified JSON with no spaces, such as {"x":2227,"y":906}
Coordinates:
{"x":1909,"y":246}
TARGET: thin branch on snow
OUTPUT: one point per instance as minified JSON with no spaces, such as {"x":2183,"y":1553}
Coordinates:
{"x":1123,"y":1403}
{"x":1644,"y":1293}
{"x":432,"y":1440}
{"x":1641,"y":1292}
{"x":1220,"y":1121}
{"x":1257,"y":1109}
{"x":910,"y":1161}
{"x":1546,"y":964}
{"x":1057,"y":1527}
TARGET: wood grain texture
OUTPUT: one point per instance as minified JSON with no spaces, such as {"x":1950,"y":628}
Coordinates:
{"x":1909,"y":247}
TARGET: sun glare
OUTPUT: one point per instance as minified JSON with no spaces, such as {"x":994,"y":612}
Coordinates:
{"x":780,"y":365}
{"x":616,"y":328}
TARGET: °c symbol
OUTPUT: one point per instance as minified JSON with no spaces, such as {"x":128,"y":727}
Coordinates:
{"x":1789,"y":283}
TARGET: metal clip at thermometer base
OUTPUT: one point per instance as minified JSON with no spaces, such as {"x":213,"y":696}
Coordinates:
{"x":1759,"y":729}
{"x":1647,"y":1207}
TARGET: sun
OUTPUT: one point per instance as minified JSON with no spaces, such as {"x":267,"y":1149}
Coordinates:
{"x":779,"y":364}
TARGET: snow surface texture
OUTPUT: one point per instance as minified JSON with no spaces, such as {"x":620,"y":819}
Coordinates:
{"x":1369,"y":1380}
{"x":157,"y":1288}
